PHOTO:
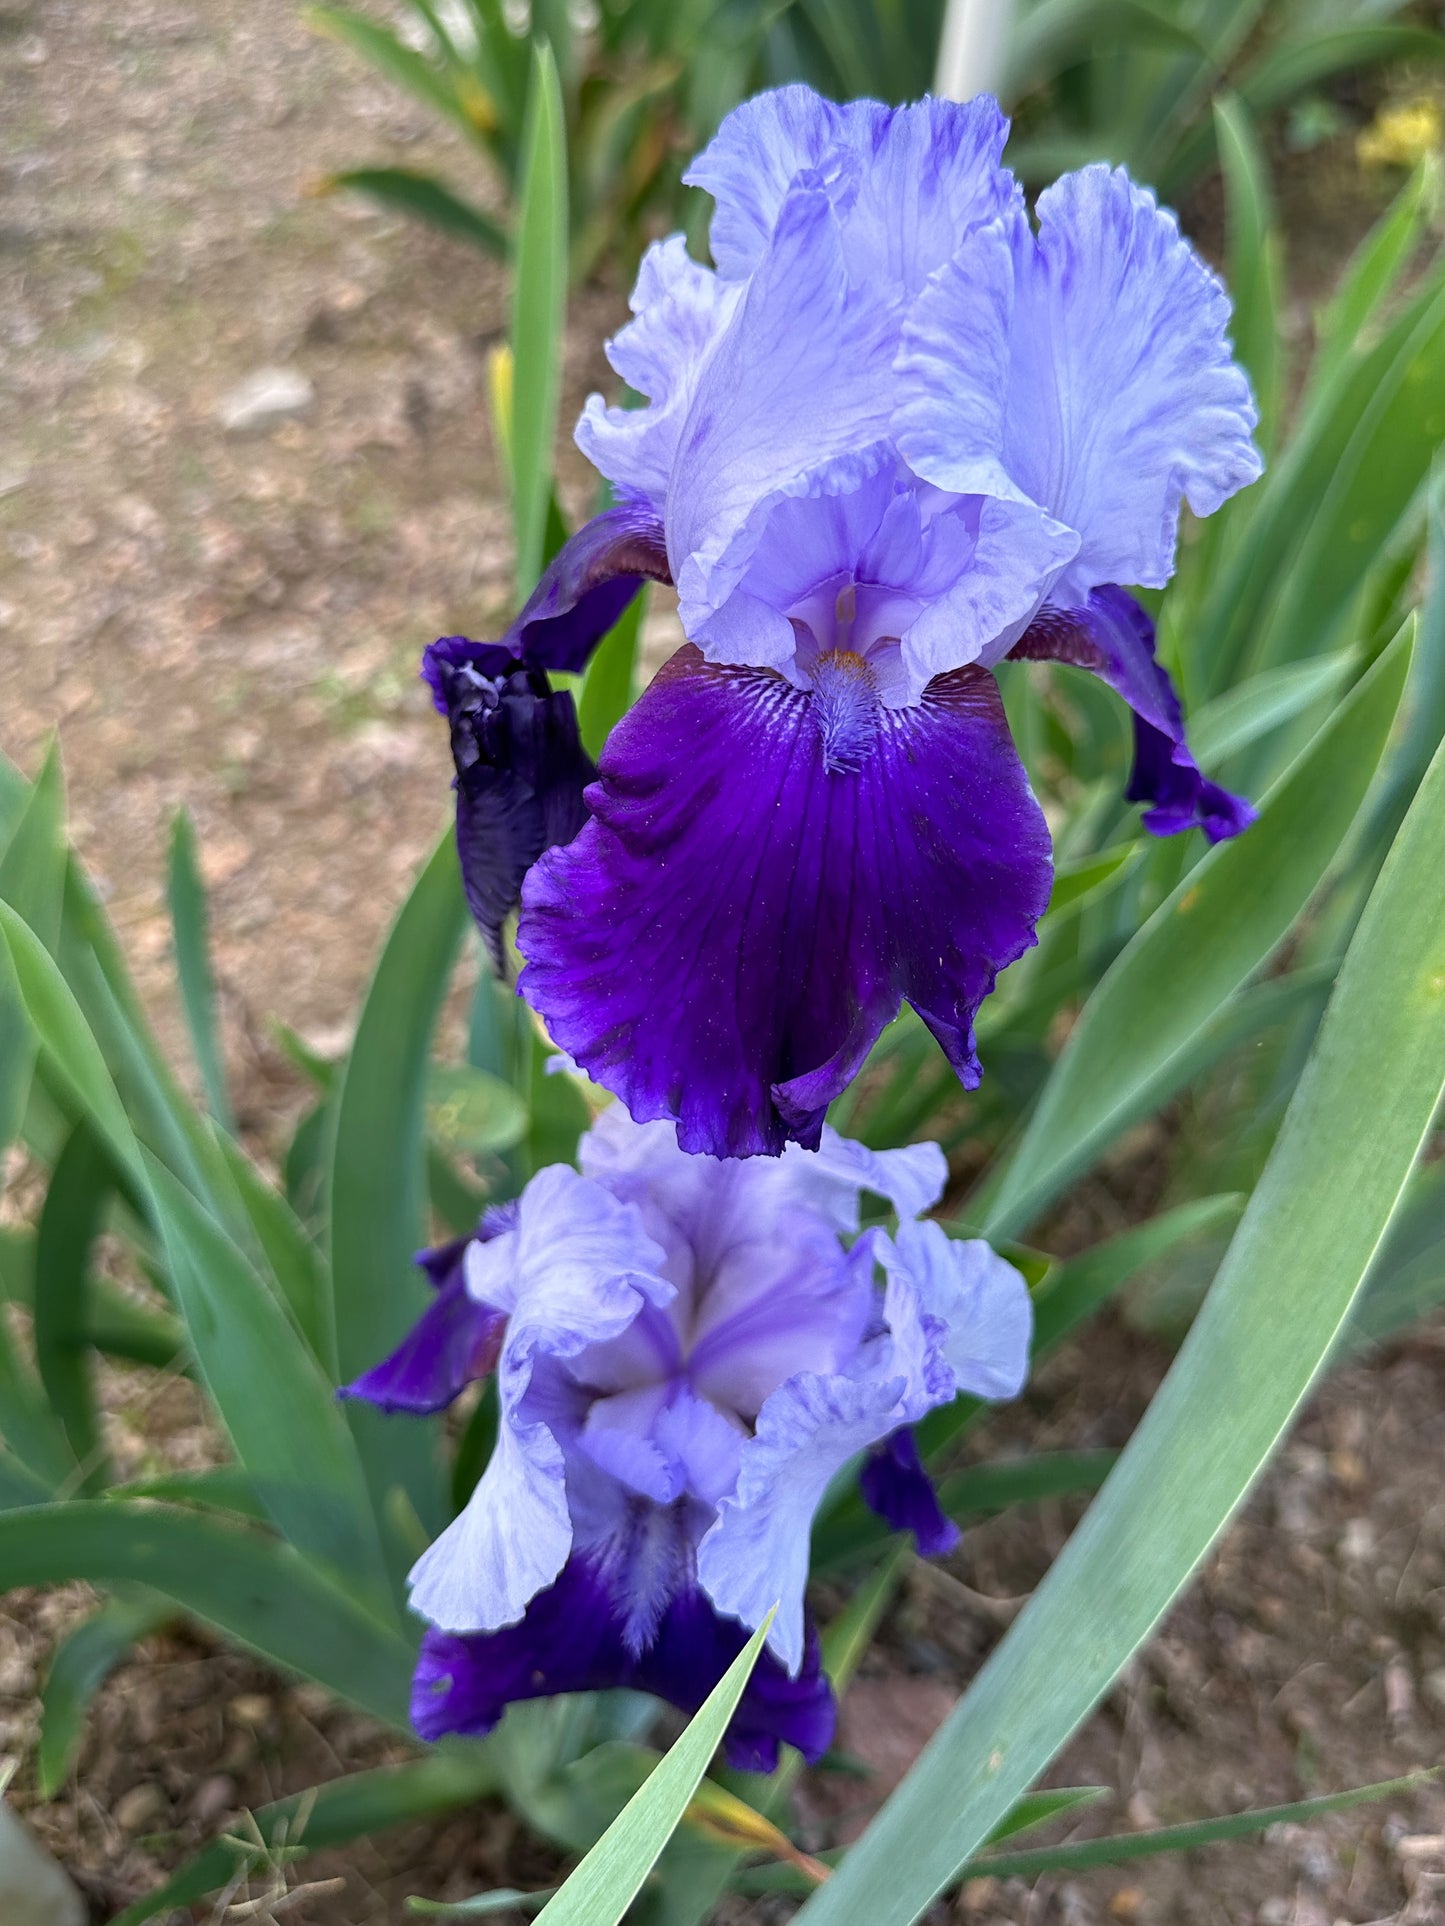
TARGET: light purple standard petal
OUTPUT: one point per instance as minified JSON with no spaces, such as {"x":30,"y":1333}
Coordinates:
{"x":795,"y":399}
{"x":1114,"y":637}
{"x":925,"y":173}
{"x":1123,"y":397}
{"x":572,"y":1640}
{"x":980,"y":1299}
{"x":756,"y":1555}
{"x":728,"y":936}
{"x":575,"y":1270}
{"x":681,"y":310}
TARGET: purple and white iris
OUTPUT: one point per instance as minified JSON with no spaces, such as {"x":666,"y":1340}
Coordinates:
{"x":687,"y":1352}
{"x":898,"y":435}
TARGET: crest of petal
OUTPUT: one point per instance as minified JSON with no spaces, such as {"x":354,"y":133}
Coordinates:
{"x":934,"y":176}
{"x":953,"y":368}
{"x":725,"y":940}
{"x":832,"y":1178}
{"x":757,"y":1552}
{"x":925,"y":174}
{"x":575,"y":1270}
{"x":794,"y":399}
{"x":752,"y":160}
{"x":1123,"y":397}
{"x":977,"y":1295}
{"x":681,"y":310}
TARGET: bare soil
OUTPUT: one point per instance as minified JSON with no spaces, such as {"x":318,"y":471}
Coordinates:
{"x":231,"y":621}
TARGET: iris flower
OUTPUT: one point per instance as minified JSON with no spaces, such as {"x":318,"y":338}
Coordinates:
{"x":900,"y":433}
{"x":687,"y":1353}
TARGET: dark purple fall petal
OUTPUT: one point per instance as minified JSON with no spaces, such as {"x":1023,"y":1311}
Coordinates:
{"x":521,"y":770}
{"x":896,"y":1487}
{"x":571,"y":1639}
{"x":1114,"y":637}
{"x":587,"y":585}
{"x":454,"y":1342}
{"x":726,"y":938}
{"x":583,"y":591}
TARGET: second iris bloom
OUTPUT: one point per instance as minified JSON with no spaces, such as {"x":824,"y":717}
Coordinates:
{"x":687,"y":1352}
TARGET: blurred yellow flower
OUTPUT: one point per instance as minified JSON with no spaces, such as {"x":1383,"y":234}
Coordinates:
{"x":1401,"y":135}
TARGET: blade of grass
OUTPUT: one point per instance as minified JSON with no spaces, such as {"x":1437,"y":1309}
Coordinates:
{"x":1196,"y":951}
{"x":606,"y":692}
{"x":1373,"y":271}
{"x":68,"y":1044}
{"x":288,"y":1432}
{"x":410,"y":191}
{"x":189,"y":923}
{"x":539,"y":301}
{"x":83,"y":1661}
{"x":1254,"y":265}
{"x":70,"y":1220}
{"x":1121,"y":1849}
{"x":251,"y":1587}
{"x":378,"y":1189}
{"x":602,"y":1888}
{"x":333,"y":1815}
{"x":32,"y":882}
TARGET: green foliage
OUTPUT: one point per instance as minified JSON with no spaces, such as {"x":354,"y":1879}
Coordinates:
{"x":1305,"y":1243}
{"x":539,"y":302}
{"x":1159,"y":995}
{"x":83,"y":1661}
{"x":193,"y":967}
{"x":1134,"y":81}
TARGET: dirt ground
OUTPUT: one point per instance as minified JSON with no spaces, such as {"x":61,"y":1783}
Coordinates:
{"x":230,"y":619}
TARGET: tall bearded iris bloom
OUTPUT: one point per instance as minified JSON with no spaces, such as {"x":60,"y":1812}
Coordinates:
{"x":900,"y":433}
{"x":687,"y":1353}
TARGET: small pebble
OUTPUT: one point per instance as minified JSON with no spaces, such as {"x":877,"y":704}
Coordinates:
{"x":1399,"y":1693}
{"x":1420,"y":1845}
{"x":251,"y":1708}
{"x":1357,"y":1541}
{"x":212,"y":1798}
{"x":139,"y":1808}
{"x":269,"y":395}
{"x":1348,"y":1469}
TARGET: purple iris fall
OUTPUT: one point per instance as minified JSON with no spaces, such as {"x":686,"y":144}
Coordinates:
{"x":900,"y":433}
{"x":688,"y":1352}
